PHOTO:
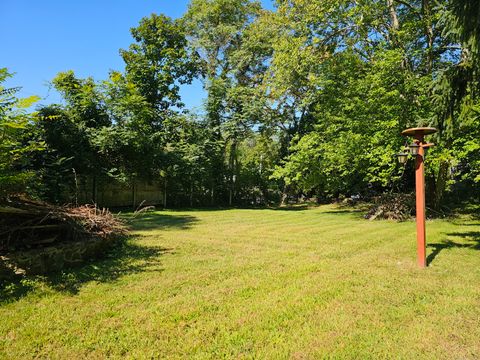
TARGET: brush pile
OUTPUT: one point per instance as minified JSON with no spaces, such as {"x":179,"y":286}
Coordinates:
{"x":398,"y":207}
{"x":27,"y":224}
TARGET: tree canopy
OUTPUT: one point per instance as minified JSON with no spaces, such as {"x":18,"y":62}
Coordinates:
{"x":308,"y":99}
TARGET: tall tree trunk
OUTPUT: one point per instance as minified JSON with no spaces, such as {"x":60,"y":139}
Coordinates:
{"x":94,"y":189}
{"x":212,"y":194}
{"x":440,"y":184}
{"x":76,"y":186}
{"x":426,"y":14}
{"x":395,"y":25}
{"x":134,"y":195}
{"x":284,"y":200}
{"x":231,"y":166}
{"x":191,"y":192}
{"x":215,"y":98}
{"x":165,"y":193}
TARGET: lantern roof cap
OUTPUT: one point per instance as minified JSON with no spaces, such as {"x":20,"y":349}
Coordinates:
{"x":419,"y":131}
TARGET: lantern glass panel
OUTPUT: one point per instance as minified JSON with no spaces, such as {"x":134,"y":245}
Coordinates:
{"x":402,"y":157}
{"x":414,"y":148}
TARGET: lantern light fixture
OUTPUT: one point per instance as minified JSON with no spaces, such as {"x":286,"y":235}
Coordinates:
{"x":414,"y":148}
{"x":402,"y":157}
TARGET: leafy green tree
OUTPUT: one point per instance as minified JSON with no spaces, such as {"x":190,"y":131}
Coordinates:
{"x":67,"y":152}
{"x":131,"y":144}
{"x":83,"y":98}
{"x":67,"y":131}
{"x":358,"y":73}
{"x":145,"y":100}
{"x":15,"y":145}
{"x":258,"y":155}
{"x":215,"y":30}
{"x":455,"y":97}
{"x":158,"y":62}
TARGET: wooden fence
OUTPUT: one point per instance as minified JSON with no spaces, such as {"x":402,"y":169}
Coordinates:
{"x":109,"y":193}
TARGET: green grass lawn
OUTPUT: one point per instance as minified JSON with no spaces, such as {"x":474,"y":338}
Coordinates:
{"x":270,"y":284}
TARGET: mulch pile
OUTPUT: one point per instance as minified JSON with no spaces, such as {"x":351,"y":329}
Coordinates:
{"x":26,"y":224}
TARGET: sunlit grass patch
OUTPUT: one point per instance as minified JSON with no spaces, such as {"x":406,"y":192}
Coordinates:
{"x":259,"y":283}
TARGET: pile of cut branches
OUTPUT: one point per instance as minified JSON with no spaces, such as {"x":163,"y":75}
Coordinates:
{"x":26,"y":224}
{"x":394,"y":206}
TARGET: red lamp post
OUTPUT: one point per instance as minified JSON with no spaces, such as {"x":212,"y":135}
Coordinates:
{"x":417,"y":149}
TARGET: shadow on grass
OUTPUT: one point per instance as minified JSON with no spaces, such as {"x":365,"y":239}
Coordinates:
{"x":245,"y":207}
{"x":200,"y":209}
{"x":288,"y":208}
{"x":470,"y":209}
{"x":124,"y":259}
{"x":162,"y":221}
{"x":344,"y":211}
{"x":340,"y":210}
{"x":472,"y":239}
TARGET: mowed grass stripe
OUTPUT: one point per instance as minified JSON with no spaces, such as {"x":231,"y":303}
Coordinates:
{"x":268,"y":284}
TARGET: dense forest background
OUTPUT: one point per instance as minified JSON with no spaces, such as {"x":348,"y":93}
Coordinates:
{"x":306,"y":100}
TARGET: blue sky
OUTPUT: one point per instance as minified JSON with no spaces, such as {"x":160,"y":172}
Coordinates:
{"x":40,"y":38}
